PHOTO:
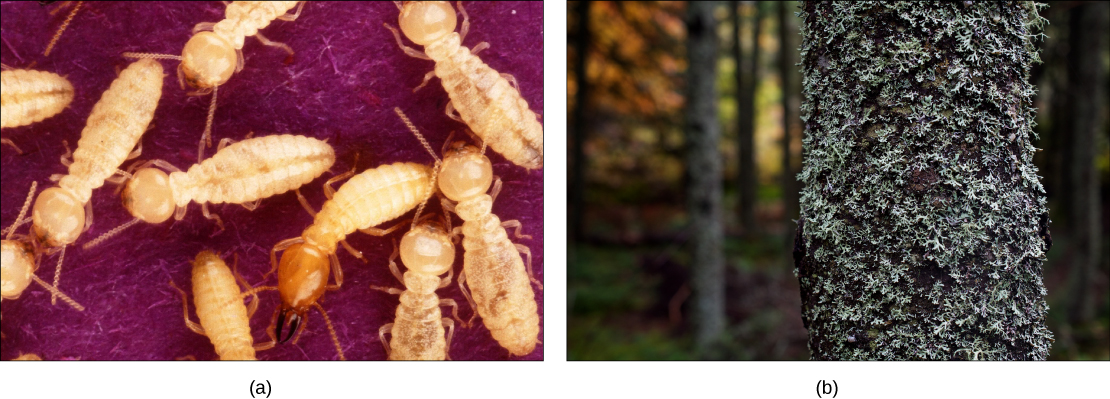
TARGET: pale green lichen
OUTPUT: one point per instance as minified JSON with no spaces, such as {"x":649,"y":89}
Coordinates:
{"x":923,"y":218}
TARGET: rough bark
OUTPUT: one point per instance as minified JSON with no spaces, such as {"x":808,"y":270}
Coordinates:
{"x":1085,"y":91}
{"x":703,"y":166}
{"x":582,"y":43}
{"x":749,"y":73}
{"x":923,"y":222}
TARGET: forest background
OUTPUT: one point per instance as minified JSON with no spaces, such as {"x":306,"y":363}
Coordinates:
{"x":630,"y":255}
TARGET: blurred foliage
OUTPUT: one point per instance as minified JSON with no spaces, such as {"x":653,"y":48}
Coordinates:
{"x":631,"y":267}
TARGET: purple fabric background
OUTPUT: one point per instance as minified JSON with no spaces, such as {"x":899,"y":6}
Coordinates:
{"x":342,"y":85}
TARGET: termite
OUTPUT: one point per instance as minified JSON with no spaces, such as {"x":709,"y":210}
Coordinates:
{"x":215,"y":51}
{"x":489,"y":102}
{"x":223,"y":317}
{"x":368,"y":199}
{"x":418,"y":331}
{"x":28,"y":96}
{"x":499,"y":277}
{"x":18,"y":263}
{"x":28,"y":357}
{"x":114,"y":128}
{"x":241,"y":173}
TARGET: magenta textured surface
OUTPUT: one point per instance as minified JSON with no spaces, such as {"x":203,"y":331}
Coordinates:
{"x":342,"y":85}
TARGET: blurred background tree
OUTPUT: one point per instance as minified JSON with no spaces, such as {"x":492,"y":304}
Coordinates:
{"x":630,"y":272}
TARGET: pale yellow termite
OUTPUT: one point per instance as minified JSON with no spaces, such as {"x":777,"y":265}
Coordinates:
{"x":241,"y":173}
{"x":113,"y":130}
{"x":486,"y":100}
{"x":28,"y":96}
{"x":18,"y":263}
{"x":498,"y":276}
{"x":214,"y":52}
{"x":223,"y":317}
{"x":369,"y":199}
{"x":28,"y":356}
{"x":418,"y":331}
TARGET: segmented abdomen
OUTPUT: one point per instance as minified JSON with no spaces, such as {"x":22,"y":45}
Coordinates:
{"x":369,"y":199}
{"x":116,"y":124}
{"x":29,"y":96}
{"x":418,"y":332}
{"x":500,"y":284}
{"x":253,"y":169}
{"x":493,"y":109}
{"x":220,"y":309}
{"x":245,"y":18}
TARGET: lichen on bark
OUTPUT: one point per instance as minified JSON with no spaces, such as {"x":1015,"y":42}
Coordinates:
{"x":922,"y":232}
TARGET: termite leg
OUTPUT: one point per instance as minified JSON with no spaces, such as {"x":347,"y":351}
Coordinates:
{"x":408,"y":50}
{"x":354,"y":252}
{"x":287,"y":17}
{"x":304,"y":203}
{"x":212,"y":216}
{"x":450,"y":326}
{"x":515,"y":224}
{"x":452,"y":112}
{"x":224,"y":142}
{"x":496,"y":188}
{"x":281,"y":246}
{"x":119,"y":177}
{"x":466,"y":293}
{"x":466,"y":22}
{"x":427,"y":78}
{"x":328,"y":190}
{"x":88,"y":216}
{"x":239,"y":60}
{"x":9,"y":142}
{"x":268,"y":42}
{"x":481,"y":46}
{"x":185,"y":310}
{"x":528,"y":264}
{"x":512,"y":81}
{"x":67,"y":158}
{"x":381,"y":337}
{"x":251,"y":206}
{"x":336,"y":271}
{"x":447,"y":205}
{"x":180,"y":76}
{"x":454,"y":308}
{"x":393,"y":264}
{"x":388,"y":290}
{"x":446,"y":281}
{"x":374,"y":231}
{"x":203,"y":26}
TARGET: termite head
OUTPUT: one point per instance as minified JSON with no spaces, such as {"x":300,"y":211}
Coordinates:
{"x":208,"y":60}
{"x":302,"y":277}
{"x":428,"y":249}
{"x":148,"y":196}
{"x":16,"y":267}
{"x":465,"y":172}
{"x":58,"y":217}
{"x":425,"y":22}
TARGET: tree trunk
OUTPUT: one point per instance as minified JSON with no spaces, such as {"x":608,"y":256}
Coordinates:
{"x":922,"y":231}
{"x":1086,"y":83}
{"x":746,"y":100}
{"x":581,"y":44}
{"x":787,"y":73}
{"x":703,"y":166}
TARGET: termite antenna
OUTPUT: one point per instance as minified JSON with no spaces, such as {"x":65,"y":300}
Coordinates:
{"x":62,"y":29}
{"x":58,"y":275}
{"x":56,"y":292}
{"x":331,"y":330}
{"x":424,"y":142}
{"x":153,"y":56}
{"x":22,"y":211}
{"x":416,"y":132}
{"x":111,"y":233}
{"x":207,"y":137}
